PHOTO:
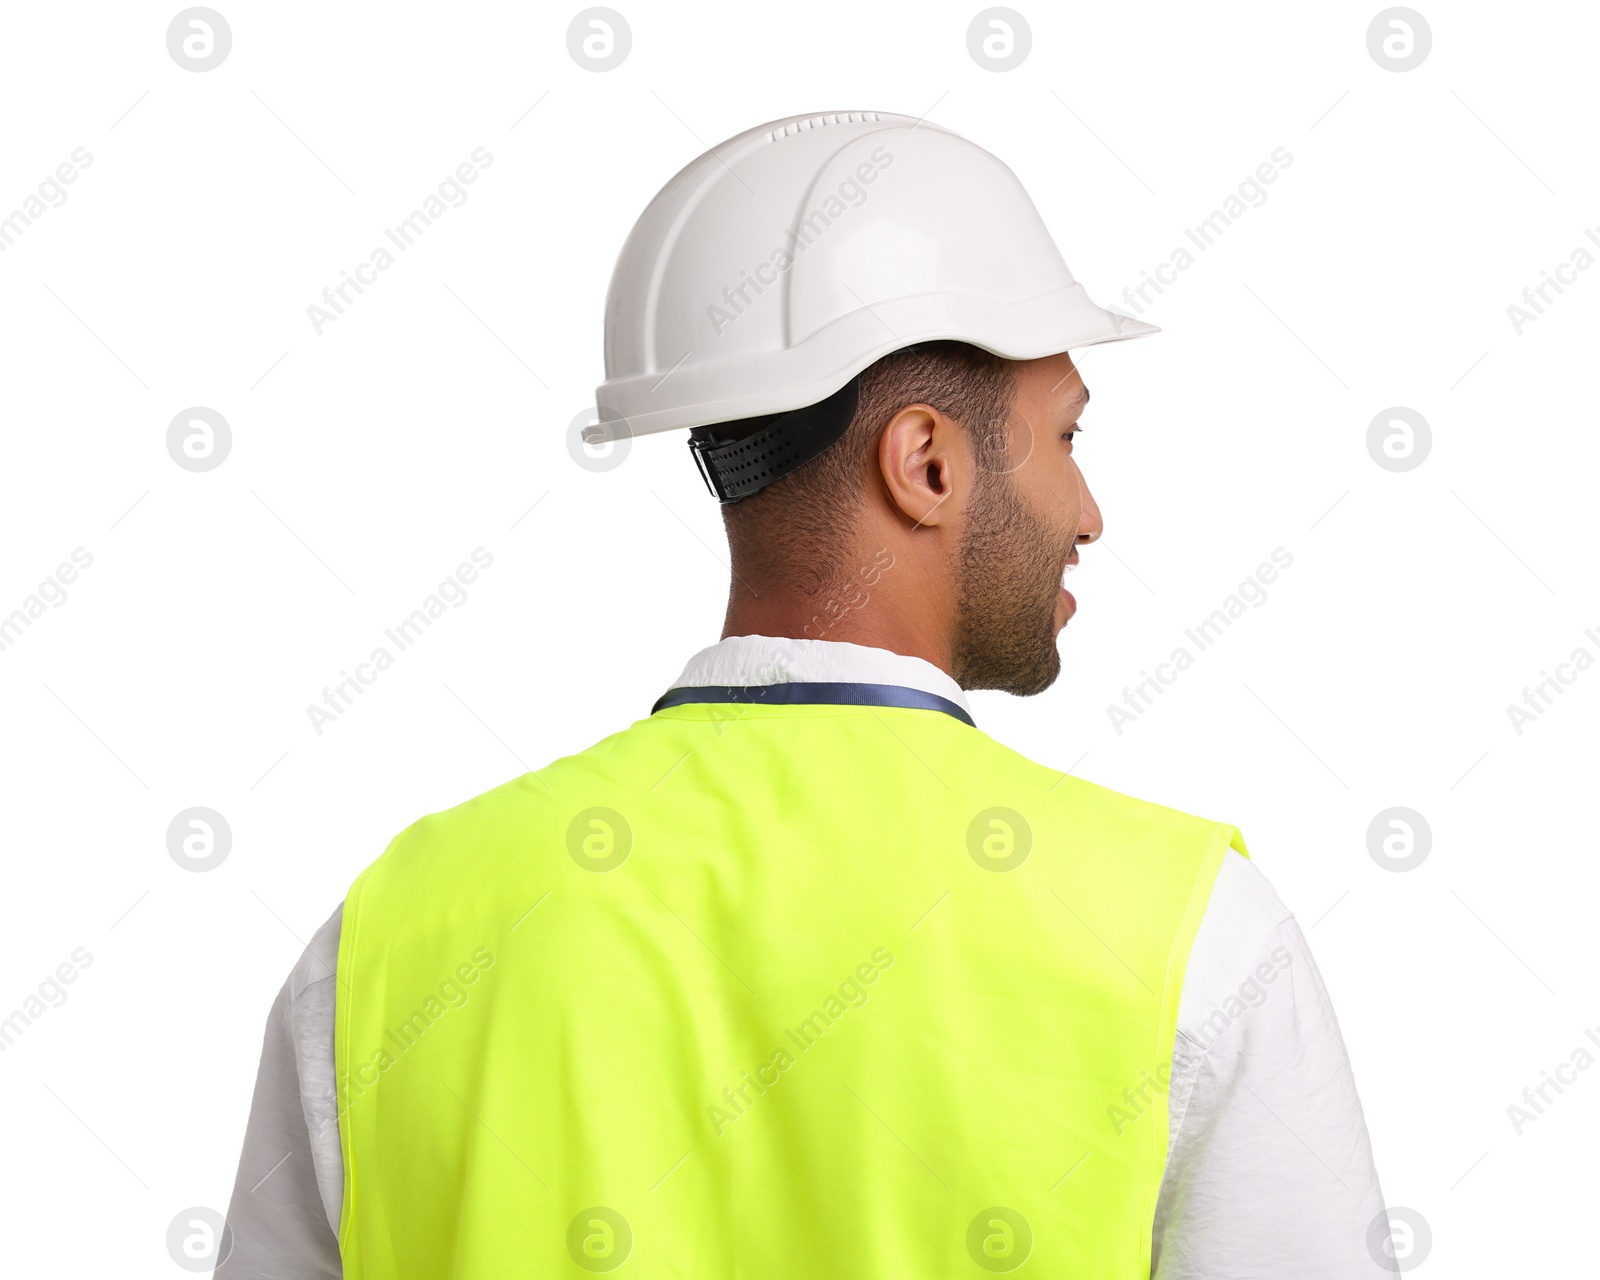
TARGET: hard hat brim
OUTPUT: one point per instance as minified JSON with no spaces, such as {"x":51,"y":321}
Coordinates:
{"x":777,"y":382}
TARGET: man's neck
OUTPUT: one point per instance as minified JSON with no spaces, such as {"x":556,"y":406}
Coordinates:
{"x":866,"y":617}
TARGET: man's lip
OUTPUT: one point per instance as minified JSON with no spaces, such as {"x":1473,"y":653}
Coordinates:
{"x":1072,"y":563}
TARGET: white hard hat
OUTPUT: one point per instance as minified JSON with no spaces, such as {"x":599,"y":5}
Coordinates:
{"x":781,"y":263}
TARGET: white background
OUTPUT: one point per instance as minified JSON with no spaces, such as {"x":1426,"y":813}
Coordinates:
{"x":428,"y":419}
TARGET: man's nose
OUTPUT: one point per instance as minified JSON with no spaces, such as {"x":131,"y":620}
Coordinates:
{"x":1090,"y":525}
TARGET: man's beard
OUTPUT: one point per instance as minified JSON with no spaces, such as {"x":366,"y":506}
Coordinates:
{"x":1010,"y":579}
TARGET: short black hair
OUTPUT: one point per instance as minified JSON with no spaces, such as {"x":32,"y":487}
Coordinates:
{"x":798,"y":526}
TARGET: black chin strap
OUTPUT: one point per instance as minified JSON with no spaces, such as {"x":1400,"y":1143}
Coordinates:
{"x":734,"y":469}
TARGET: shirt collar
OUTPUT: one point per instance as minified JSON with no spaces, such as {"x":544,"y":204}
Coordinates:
{"x":761,"y":660}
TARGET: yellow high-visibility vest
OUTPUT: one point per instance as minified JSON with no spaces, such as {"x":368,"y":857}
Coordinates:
{"x":768,"y":991}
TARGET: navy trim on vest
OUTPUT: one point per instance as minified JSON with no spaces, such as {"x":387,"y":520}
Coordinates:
{"x":836,"y":692}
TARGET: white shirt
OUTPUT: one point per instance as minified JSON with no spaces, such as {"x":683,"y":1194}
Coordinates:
{"x":1269,"y":1169}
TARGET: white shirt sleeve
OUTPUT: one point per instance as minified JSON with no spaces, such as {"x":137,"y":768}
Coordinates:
{"x":284,"y":1216}
{"x":1269,"y":1168}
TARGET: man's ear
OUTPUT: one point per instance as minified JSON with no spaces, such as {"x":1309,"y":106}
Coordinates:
{"x":921,"y":462}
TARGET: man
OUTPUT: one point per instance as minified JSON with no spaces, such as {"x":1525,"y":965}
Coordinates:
{"x":804,"y":974}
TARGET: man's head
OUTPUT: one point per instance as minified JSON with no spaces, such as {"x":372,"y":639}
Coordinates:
{"x":940,"y":524}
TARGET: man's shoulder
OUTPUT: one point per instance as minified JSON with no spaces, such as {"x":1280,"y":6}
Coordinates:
{"x":1064,"y":796}
{"x":624,"y":770}
{"x":527,"y":803}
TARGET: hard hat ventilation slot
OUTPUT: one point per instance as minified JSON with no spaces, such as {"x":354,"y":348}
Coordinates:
{"x":818,"y":122}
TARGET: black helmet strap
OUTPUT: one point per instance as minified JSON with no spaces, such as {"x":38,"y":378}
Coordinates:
{"x":734,"y":469}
